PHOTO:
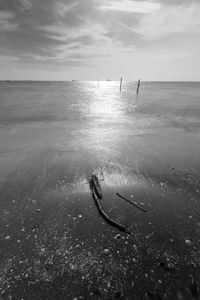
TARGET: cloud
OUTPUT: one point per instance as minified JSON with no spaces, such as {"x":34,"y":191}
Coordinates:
{"x":144,"y":7}
{"x":104,"y":34}
{"x":15,"y":5}
{"x":80,"y":44}
{"x":4,"y":59}
{"x":25,"y":5}
{"x":183,"y":18}
{"x":88,"y":30}
{"x":7,"y":21}
{"x":62,"y":9}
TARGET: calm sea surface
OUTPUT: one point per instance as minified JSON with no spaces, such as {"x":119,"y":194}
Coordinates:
{"x":53,"y":136}
{"x":99,"y":121}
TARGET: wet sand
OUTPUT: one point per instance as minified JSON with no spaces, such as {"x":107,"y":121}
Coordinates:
{"x":54,"y":244}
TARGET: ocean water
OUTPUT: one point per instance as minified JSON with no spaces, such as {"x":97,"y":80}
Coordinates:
{"x":53,"y":137}
{"x":100,"y":122}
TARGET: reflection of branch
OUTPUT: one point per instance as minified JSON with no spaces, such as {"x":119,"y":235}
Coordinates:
{"x":133,"y":203}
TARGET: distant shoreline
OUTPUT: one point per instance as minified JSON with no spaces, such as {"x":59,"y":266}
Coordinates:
{"x":151,"y":81}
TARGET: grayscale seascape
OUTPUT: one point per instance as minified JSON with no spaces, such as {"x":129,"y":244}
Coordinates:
{"x":53,"y":242}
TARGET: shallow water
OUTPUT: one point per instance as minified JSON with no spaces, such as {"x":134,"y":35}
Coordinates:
{"x":53,"y":136}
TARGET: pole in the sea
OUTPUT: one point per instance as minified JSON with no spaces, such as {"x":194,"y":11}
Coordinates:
{"x":138,"y":86}
{"x":120,"y":84}
{"x":98,"y":82}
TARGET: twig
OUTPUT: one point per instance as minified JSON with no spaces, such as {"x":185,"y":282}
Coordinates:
{"x":133,"y":203}
{"x":102,"y":213}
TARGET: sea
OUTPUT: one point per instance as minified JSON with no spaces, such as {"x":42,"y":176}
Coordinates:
{"x":54,"y":136}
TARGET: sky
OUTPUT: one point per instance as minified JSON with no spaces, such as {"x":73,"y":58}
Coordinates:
{"x":100,"y":39}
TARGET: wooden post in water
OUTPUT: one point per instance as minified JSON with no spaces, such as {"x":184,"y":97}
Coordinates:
{"x":120,"y":84}
{"x":138,"y":86}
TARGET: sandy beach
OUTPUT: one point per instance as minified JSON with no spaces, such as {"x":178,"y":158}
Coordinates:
{"x":53,"y":242}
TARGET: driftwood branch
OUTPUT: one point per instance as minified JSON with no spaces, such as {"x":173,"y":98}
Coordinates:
{"x":104,"y":215}
{"x":96,"y":195}
{"x":133,"y":203}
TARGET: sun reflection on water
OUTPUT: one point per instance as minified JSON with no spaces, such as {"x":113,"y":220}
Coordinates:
{"x":105,"y":100}
{"x":106,"y":114}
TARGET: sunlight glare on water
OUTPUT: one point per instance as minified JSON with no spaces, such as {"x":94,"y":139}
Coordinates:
{"x":105,"y":100}
{"x":103,"y":109}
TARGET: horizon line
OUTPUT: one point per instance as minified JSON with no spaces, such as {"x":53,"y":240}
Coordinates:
{"x":93,"y":80}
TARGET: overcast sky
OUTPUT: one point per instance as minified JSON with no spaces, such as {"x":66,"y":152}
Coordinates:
{"x":100,"y":39}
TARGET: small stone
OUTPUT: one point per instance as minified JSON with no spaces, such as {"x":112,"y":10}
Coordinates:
{"x":118,"y":236}
{"x":38,"y":210}
{"x":135,"y":247}
{"x":106,"y":251}
{"x":188,"y":242}
{"x":7,"y":237}
{"x":80,"y":216}
{"x":193,"y":264}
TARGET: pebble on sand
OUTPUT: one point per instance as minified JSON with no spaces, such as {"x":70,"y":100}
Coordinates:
{"x":117,"y":236}
{"x":106,"y":251}
{"x":188,"y":242}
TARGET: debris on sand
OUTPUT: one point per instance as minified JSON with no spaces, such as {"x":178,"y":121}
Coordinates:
{"x":132,"y":203}
{"x":96,"y":194}
{"x":95,"y":185}
{"x":106,"y":251}
{"x":118,"y":236}
{"x":108,"y":220}
{"x":188,"y":242}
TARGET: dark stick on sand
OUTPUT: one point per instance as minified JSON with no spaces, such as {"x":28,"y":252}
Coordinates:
{"x":133,"y":203}
{"x":102,"y":213}
{"x":95,"y":185}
